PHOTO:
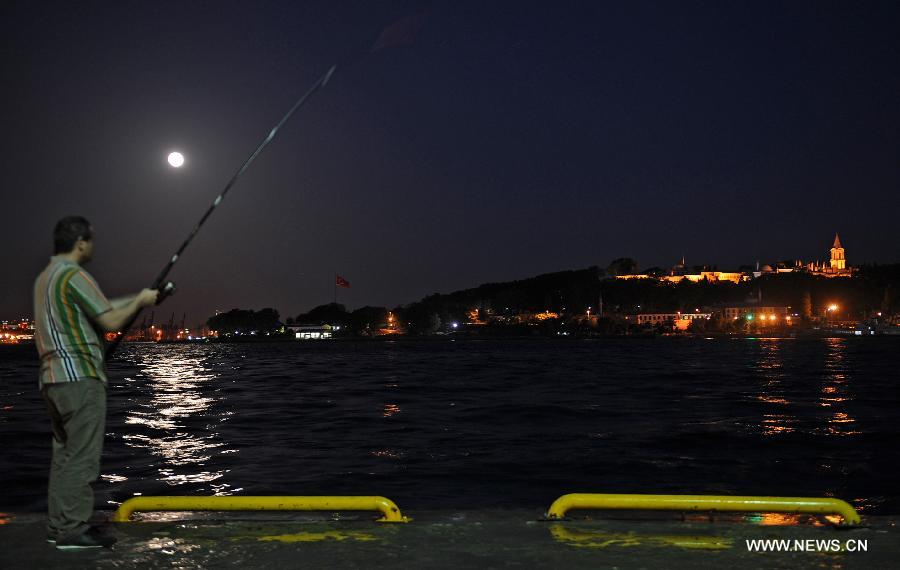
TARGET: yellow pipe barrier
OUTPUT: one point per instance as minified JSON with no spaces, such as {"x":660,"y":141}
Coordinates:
{"x":809,"y":505}
{"x":389,"y":510}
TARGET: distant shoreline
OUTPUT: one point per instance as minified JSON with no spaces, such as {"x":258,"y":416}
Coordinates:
{"x":453,"y":337}
{"x":536,"y":338}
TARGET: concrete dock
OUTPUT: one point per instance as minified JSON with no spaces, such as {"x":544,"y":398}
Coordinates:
{"x":463,"y":539}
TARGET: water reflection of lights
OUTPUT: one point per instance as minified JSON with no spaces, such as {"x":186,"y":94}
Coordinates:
{"x":178,"y":449}
{"x":835,"y":390}
{"x":784,"y":519}
{"x":388,"y":453}
{"x":318,"y":536}
{"x":179,"y":384}
{"x":778,"y":519}
{"x":171,"y":477}
{"x":604,"y":539}
{"x":776,"y":424}
{"x":771,"y":399}
{"x":114,"y":478}
{"x":168,"y":546}
{"x":390,"y":410}
{"x":771,"y":366}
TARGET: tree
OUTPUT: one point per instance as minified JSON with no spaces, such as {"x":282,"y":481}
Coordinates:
{"x":622,"y":266}
{"x":699,"y":326}
{"x":806,"y":307}
{"x":368,"y":319}
{"x":245,"y":321}
{"x":266,"y":319}
{"x":330,"y":314}
{"x":434,"y":323}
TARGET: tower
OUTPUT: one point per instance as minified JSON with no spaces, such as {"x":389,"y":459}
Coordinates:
{"x":838,"y":262}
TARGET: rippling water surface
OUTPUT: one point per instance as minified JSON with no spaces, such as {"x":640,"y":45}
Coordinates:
{"x":462,"y":424}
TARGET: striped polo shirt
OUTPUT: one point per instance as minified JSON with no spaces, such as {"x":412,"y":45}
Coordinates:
{"x":66,"y":301}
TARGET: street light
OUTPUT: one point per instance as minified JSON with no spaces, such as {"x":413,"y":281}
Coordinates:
{"x":829,"y":312}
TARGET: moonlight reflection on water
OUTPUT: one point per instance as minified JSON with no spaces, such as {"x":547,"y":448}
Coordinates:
{"x":180,"y":395}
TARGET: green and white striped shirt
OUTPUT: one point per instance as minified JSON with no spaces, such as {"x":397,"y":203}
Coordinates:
{"x":66,"y":301}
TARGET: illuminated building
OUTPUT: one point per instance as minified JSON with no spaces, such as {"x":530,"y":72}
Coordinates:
{"x":680,"y":321}
{"x":838,"y":261}
{"x":837,"y":265}
{"x":711,"y":276}
{"x":311,"y":332}
{"x":761,"y":315}
{"x":12,"y":332}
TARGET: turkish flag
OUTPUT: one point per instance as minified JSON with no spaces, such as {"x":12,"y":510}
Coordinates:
{"x":341,"y":282}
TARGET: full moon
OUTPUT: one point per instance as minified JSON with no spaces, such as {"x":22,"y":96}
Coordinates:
{"x":176,"y":159}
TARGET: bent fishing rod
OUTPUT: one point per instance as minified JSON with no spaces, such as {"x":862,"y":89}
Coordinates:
{"x":167,"y":288}
{"x":402,"y":32}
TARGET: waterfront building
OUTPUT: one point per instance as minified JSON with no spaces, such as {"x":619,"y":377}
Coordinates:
{"x":311,"y":332}
{"x":12,"y":332}
{"x":762,"y":314}
{"x":678,"y":320}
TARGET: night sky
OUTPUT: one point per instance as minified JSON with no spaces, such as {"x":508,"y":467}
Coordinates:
{"x":512,"y":139}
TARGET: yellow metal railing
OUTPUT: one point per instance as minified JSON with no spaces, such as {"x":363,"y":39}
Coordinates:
{"x":389,"y":510}
{"x":724,"y":503}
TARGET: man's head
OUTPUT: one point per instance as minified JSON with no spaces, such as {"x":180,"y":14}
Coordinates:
{"x":74,"y":236}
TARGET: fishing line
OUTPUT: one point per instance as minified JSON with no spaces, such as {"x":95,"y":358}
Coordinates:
{"x":402,"y":32}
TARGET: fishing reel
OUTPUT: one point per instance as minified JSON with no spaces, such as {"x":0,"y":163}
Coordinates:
{"x":165,"y":291}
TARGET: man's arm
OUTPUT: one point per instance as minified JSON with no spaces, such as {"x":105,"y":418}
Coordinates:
{"x":120,"y":302}
{"x":119,"y":316}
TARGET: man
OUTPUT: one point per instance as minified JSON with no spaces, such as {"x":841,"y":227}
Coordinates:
{"x":70,"y":314}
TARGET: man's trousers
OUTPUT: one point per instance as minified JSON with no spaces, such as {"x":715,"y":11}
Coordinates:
{"x":78,"y":417}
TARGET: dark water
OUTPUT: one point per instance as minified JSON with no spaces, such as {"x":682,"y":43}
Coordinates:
{"x":469,"y":424}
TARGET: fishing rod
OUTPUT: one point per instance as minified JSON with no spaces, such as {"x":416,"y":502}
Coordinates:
{"x":402,"y":32}
{"x":167,"y":288}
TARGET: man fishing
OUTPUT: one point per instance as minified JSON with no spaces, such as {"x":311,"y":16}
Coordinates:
{"x":70,"y":308}
{"x":71,"y":314}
